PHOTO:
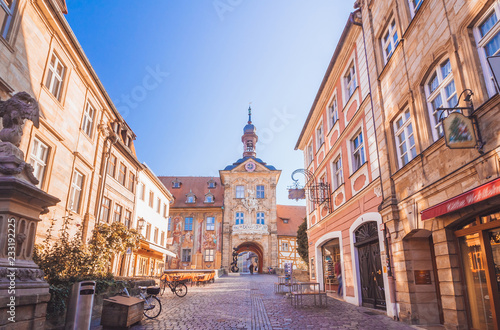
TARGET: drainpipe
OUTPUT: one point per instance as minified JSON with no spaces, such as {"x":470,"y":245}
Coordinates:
{"x":390,"y":278}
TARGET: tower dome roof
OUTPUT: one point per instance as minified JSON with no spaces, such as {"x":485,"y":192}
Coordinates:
{"x":249,"y":128}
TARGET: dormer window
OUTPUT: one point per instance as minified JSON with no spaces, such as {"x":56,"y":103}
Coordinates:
{"x":285,"y":220}
{"x":190,"y":197}
{"x":209,"y":198}
{"x":211,"y":183}
{"x":176,"y":183}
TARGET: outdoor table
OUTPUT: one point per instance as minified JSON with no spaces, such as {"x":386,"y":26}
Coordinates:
{"x":283,"y":283}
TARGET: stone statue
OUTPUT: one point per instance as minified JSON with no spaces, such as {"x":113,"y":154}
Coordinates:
{"x":13,"y":112}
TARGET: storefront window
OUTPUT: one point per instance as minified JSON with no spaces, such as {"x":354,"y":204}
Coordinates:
{"x":495,"y":249}
{"x":331,"y":257}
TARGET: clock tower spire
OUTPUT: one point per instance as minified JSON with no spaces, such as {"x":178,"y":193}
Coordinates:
{"x":249,"y":137}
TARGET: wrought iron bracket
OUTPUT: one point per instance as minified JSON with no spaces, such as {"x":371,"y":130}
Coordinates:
{"x":317,"y":192}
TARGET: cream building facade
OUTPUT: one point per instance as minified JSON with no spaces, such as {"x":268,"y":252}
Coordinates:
{"x":250,"y":220}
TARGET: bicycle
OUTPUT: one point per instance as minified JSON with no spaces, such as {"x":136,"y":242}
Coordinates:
{"x":152,"y":305}
{"x":177,"y":287}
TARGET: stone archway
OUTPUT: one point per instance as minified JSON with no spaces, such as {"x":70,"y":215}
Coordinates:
{"x":254,"y":247}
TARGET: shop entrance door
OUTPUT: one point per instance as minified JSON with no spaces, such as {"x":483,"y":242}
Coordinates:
{"x":370,"y":266}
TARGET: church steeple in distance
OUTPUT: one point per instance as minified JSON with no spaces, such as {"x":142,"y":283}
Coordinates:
{"x":249,"y":137}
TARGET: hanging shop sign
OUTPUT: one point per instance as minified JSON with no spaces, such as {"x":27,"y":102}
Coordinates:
{"x":459,"y":131}
{"x":473,"y":196}
{"x":296,"y":193}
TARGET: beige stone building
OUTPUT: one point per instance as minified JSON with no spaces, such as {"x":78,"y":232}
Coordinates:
{"x":83,"y":151}
{"x":441,"y":205}
{"x":250,"y":220}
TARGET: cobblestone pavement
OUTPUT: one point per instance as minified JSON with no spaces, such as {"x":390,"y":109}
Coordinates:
{"x":249,"y":302}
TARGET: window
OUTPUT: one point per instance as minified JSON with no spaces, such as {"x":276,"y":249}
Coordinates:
{"x":112,"y":165}
{"x":239,"y":218}
{"x":186,"y":255}
{"x":128,"y":218}
{"x":249,"y":145}
{"x":358,"y":152}
{"x":105,"y":208}
{"x":285,"y":220}
{"x":209,"y":255}
{"x":88,"y":119}
{"x":162,"y":241}
{"x":38,"y":159}
{"x":176,"y":183}
{"x":142,"y":191}
{"x":209,"y":198}
{"x":284,"y":246}
{"x":188,"y":224}
{"x":164,"y":210}
{"x":148,"y":231}
{"x":333,"y":112}
{"x":240,"y":191}
{"x":405,"y":141}
{"x":151,"y":199}
{"x":7,"y":9}
{"x":158,"y":205}
{"x":190,"y":199}
{"x":117,"y":217}
{"x":122,"y":173}
{"x":156,"y":236}
{"x":260,"y":218}
{"x":211,"y":184}
{"x":55,"y":76}
{"x":210,"y":223}
{"x":350,"y":81}
{"x":390,"y":40}
{"x":487,"y":34}
{"x":320,"y":139}
{"x":260,"y":191}
{"x":310,"y":153}
{"x":441,"y":93}
{"x":338,"y":174}
{"x":76,"y":191}
{"x":414,"y":6}
{"x":169,"y":228}
{"x":131,"y":181}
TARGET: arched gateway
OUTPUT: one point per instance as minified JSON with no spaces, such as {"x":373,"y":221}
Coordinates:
{"x":250,"y":205}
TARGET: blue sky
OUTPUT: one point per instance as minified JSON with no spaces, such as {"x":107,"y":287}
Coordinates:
{"x":182,"y":74}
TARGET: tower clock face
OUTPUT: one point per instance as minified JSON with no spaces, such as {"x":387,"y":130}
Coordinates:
{"x":250,"y":167}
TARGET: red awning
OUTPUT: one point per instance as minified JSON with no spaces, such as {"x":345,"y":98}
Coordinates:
{"x":473,"y":196}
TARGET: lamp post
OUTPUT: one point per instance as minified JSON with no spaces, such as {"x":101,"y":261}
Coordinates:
{"x":140,"y":224}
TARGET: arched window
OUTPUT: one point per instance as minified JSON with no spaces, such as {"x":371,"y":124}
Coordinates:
{"x":441,"y":92}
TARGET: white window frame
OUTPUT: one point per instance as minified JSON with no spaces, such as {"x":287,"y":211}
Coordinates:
{"x":186,"y":255}
{"x":38,"y":159}
{"x":240,"y":191}
{"x":406,"y":128}
{"x":117,"y":213}
{"x":414,"y":8}
{"x":310,"y":153}
{"x":320,"y":136}
{"x":190,"y":199}
{"x":141,"y":191}
{"x":440,"y":91}
{"x":354,"y":150}
{"x":209,"y":255}
{"x":188,"y":226}
{"x":158,"y":205}
{"x":285,"y":247}
{"x":337,"y":172}
{"x":260,"y":193}
{"x":106,"y":204}
{"x":482,"y":41}
{"x":52,"y":75}
{"x":392,"y":33}
{"x":333,"y":111}
{"x":210,"y":223}
{"x":239,"y":218}
{"x":76,"y":191}
{"x":209,"y":198}
{"x":88,"y":119}
{"x":261,"y":218}
{"x":350,"y":81}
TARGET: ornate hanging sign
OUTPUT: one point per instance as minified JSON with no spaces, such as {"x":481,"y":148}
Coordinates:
{"x":459,"y":131}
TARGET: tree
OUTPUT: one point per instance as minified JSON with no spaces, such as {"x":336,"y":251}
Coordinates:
{"x":302,"y":242}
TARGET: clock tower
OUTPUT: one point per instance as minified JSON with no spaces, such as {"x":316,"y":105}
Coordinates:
{"x":250,"y":221}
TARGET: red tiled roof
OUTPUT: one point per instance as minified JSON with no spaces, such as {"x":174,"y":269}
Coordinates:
{"x":295,"y":216}
{"x":198,"y":185}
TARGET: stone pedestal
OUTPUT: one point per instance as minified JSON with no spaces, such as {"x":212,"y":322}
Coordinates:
{"x":23,"y":291}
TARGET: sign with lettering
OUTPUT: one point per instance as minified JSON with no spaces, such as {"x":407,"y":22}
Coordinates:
{"x":422,"y":277}
{"x":473,"y":196}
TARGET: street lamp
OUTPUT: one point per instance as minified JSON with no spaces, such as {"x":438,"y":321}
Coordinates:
{"x":140,"y":223}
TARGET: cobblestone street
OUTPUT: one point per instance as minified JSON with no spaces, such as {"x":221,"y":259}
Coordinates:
{"x":248,"y":302}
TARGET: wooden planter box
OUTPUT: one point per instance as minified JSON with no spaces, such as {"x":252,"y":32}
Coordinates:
{"x":121,"y":312}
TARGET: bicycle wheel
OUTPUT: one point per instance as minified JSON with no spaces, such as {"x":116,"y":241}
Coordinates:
{"x":163,"y":284}
{"x":181,"y":289}
{"x":152,"y":307}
